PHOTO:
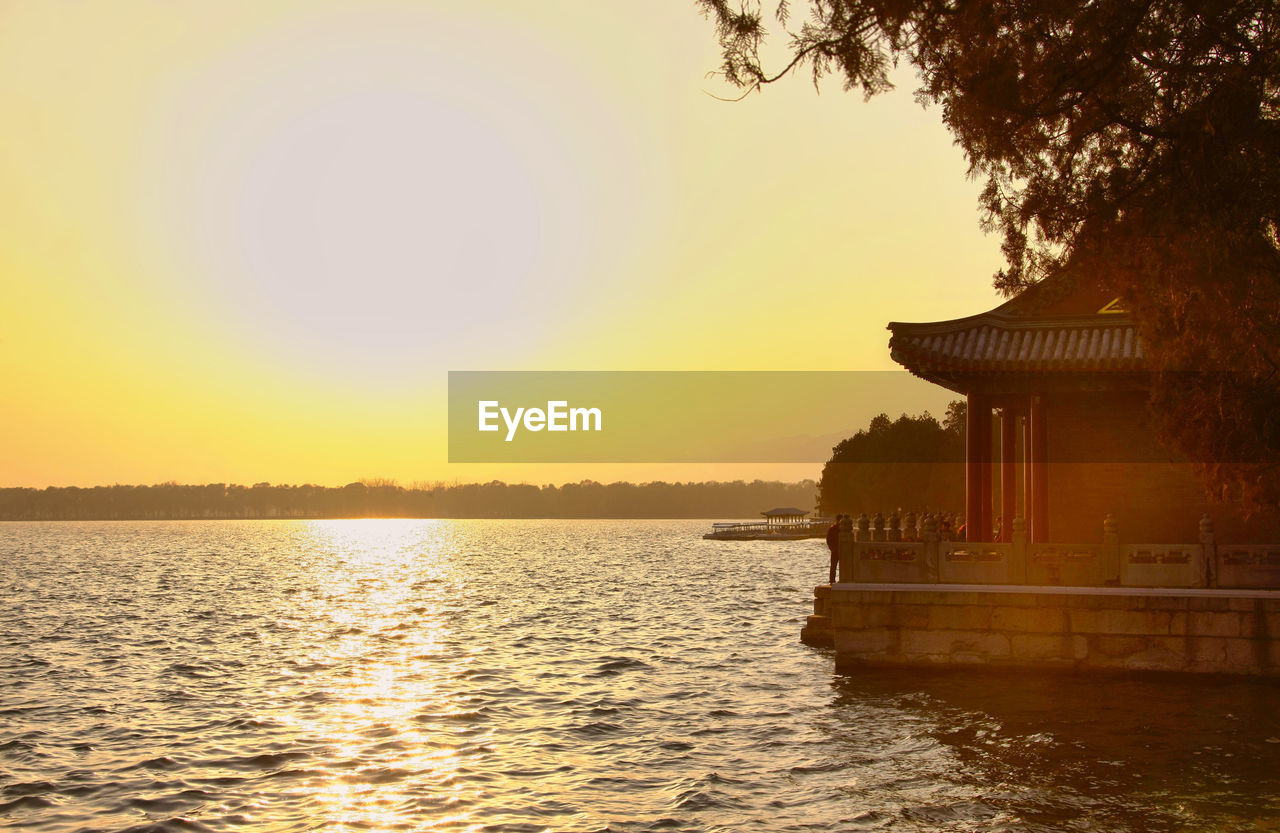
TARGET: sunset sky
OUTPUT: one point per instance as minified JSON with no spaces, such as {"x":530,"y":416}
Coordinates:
{"x":246,"y":241}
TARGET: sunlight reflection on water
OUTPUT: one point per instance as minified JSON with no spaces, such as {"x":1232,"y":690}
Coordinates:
{"x":381,"y":564}
{"x":546,"y":675}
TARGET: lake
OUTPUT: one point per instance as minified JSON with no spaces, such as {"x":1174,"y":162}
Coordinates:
{"x":548,"y":675}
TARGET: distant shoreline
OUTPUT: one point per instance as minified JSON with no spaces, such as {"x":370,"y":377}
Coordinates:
{"x":586,"y":500}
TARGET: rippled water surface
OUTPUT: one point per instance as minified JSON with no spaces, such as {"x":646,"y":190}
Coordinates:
{"x":547,"y":675}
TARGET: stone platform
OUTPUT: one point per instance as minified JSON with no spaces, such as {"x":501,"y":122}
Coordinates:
{"x":1074,"y":628}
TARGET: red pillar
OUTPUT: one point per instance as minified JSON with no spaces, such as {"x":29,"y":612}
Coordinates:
{"x":977,"y":513}
{"x":988,"y":480}
{"x":972,"y":470}
{"x":1008,"y":473}
{"x":1039,"y":473}
{"x":1027,"y":499}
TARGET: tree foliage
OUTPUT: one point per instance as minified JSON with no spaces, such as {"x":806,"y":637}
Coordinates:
{"x":912,"y":463}
{"x":1135,"y":144}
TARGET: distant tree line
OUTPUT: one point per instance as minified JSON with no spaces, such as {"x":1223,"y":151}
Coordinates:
{"x":387,"y":499}
{"x":911,"y":463}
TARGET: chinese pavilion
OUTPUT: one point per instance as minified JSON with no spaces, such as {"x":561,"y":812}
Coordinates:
{"x":1056,"y":383}
{"x":1087,"y":546}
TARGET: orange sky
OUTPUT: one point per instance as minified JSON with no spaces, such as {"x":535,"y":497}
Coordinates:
{"x":247,"y":241}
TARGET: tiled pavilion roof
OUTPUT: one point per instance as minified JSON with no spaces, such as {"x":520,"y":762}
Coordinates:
{"x":785,"y":512}
{"x":1074,"y":334}
{"x":987,"y":343}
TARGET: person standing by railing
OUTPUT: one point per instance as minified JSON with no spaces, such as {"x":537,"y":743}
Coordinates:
{"x":833,"y":544}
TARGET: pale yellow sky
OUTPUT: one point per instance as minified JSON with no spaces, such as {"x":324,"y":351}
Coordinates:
{"x":246,"y":241}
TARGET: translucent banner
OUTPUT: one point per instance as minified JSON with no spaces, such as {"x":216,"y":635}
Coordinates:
{"x":671,"y":416}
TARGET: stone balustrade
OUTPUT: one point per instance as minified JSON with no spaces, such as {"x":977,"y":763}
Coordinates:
{"x":907,"y":549}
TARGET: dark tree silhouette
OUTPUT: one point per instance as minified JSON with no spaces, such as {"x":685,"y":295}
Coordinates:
{"x":912,"y":463}
{"x":1135,"y":144}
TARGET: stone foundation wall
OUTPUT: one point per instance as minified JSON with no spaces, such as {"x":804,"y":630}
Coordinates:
{"x":1203,"y":631}
{"x":817,"y":628}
